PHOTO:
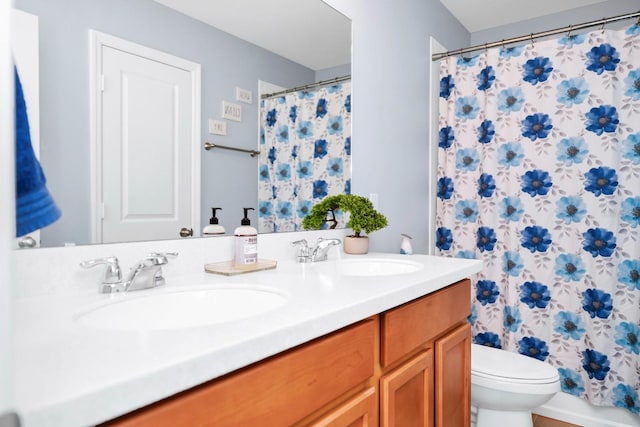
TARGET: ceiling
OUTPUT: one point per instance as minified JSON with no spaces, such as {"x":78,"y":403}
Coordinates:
{"x":308,"y":32}
{"x":315,"y":35}
{"x":481,"y":15}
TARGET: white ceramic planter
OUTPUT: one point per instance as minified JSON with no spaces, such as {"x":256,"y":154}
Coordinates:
{"x":356,"y":245}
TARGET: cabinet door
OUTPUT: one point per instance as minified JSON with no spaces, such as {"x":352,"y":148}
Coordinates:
{"x":359,"y":411}
{"x":406,"y":394}
{"x":453,"y":378}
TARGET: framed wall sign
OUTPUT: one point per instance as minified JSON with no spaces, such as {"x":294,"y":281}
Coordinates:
{"x":244,"y":95}
{"x":231,"y":111}
{"x":217,"y":127}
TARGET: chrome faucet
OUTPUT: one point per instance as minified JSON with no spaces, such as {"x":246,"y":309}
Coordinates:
{"x":319,"y":253}
{"x":112,"y":280}
{"x":147,"y":273}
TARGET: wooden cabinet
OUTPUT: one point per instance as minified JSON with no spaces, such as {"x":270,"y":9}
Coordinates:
{"x":406,"y":393}
{"x":276,"y":392}
{"x":360,"y":411}
{"x":425,"y":357}
{"x":409,"y":366}
{"x":453,"y":381}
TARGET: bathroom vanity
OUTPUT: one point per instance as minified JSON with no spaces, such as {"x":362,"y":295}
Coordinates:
{"x":378,"y":339}
{"x":413,"y":359}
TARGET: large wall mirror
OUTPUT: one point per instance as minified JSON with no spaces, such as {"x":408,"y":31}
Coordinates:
{"x":267,"y":47}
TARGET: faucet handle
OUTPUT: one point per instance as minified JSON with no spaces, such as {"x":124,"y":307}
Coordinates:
{"x":303,"y":246}
{"x":160,"y":258}
{"x":112,"y":272}
{"x":322,"y":242}
{"x":304,"y":251}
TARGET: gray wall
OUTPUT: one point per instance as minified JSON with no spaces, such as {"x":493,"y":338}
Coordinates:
{"x":390,"y":68}
{"x":330,"y":73}
{"x":227,"y":62}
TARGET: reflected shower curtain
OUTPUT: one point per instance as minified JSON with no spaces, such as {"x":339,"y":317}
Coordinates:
{"x":305,"y":154}
{"x":539,"y":177}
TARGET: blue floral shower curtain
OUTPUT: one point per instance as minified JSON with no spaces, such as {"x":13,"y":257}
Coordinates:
{"x":539,"y":176}
{"x":305,"y":154}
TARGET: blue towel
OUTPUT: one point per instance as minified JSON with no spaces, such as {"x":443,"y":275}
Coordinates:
{"x":35,"y":207}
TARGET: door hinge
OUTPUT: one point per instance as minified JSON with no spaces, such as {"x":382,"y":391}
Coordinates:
{"x":102,"y":209}
{"x":102,"y":83}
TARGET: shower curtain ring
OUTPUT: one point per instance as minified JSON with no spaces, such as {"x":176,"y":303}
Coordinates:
{"x":531,"y":38}
{"x":569,"y":33}
{"x":604,"y":21}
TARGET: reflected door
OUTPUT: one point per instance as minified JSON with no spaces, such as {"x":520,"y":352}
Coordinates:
{"x":148,"y":110}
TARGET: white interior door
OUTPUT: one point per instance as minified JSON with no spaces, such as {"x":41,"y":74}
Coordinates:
{"x":25,"y":49}
{"x":149,"y":145}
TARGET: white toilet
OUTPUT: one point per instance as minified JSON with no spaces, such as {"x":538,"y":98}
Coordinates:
{"x":506,"y":386}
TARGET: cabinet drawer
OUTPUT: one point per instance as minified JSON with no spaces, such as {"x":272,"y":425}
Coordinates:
{"x":417,"y":322}
{"x":278,"y":391}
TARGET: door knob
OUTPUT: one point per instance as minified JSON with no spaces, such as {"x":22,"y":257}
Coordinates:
{"x":27,"y":242}
{"x":186,"y":232}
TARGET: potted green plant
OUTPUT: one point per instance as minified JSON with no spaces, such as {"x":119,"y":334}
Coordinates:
{"x":362,"y":217}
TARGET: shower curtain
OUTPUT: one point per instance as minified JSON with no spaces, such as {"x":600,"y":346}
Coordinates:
{"x":539,"y":177}
{"x":305,"y":154}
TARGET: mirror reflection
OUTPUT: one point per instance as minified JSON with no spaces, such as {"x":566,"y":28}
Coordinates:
{"x":305,"y":154}
{"x":231,"y":70}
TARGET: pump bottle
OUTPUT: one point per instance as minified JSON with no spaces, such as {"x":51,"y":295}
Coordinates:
{"x":405,"y":245}
{"x":213,"y":229}
{"x":246,"y":242}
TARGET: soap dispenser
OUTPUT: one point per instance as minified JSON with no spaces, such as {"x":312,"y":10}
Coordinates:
{"x":213,"y":229}
{"x":246,"y":241}
{"x":405,"y":245}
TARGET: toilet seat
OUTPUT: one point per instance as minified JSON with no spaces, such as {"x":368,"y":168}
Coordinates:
{"x":506,"y":386}
{"x":511,"y":385}
{"x":491,"y":364}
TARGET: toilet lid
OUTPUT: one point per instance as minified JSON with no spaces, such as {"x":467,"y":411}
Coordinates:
{"x":495,"y":363}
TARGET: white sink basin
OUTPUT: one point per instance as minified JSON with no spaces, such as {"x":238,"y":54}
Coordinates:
{"x":184,"y":308}
{"x":375,"y":267}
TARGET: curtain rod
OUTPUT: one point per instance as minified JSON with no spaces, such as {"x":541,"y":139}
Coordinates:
{"x":532,"y":36}
{"x":309,"y":86}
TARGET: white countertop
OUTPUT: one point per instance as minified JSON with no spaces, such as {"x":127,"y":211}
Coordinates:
{"x":72,"y":375}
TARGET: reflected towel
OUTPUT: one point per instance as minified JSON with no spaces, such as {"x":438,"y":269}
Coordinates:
{"x":35,"y":207}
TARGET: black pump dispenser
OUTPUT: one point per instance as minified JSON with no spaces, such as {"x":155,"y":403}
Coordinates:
{"x":245,"y":220}
{"x":214,"y":218}
{"x":213,"y":229}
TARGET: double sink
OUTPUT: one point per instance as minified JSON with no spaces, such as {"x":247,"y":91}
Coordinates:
{"x":190,"y":307}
